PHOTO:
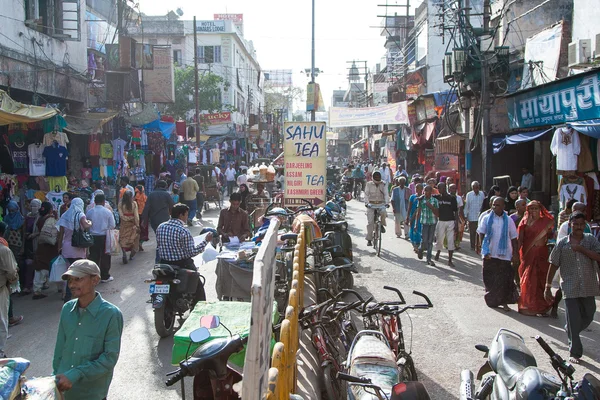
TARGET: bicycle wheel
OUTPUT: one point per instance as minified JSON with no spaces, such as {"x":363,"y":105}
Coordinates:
{"x":333,"y":386}
{"x":408,"y":372}
{"x":378,"y":233}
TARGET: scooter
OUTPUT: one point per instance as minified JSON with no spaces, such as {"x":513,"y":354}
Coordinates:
{"x":511,"y":373}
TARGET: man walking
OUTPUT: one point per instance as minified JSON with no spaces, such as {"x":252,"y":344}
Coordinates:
{"x":447,"y":226}
{"x":386,"y":175}
{"x":199,"y":178}
{"x":89,"y":337}
{"x":230,"y":178}
{"x":400,"y":196}
{"x":576,"y":256}
{"x":427,"y":213}
{"x":102,"y":221}
{"x":8,"y":274}
{"x":190,"y":189}
{"x":498,"y":238}
{"x":158,"y":207}
{"x":473,"y":203}
{"x":376,"y":193}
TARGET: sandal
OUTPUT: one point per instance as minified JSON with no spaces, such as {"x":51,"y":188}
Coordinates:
{"x":574,"y":360}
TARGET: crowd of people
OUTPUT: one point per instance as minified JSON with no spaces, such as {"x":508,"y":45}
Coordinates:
{"x":512,"y":234}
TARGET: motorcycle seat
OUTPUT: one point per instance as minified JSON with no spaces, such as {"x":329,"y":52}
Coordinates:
{"x":289,"y":236}
{"x":212,"y":356}
{"x":335,"y":224}
{"x":511,"y":357}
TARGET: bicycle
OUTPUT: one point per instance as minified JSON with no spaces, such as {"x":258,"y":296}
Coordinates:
{"x":358,"y":188}
{"x":377,"y":227}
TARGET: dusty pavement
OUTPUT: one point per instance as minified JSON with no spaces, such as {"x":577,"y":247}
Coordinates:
{"x":443,"y":337}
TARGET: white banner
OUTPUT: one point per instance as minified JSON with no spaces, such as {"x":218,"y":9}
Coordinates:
{"x":395,"y":113}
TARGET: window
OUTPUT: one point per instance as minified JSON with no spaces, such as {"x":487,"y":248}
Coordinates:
{"x":56,"y":18}
{"x":176,"y":41}
{"x":177,"y":57}
{"x":209,"y":54}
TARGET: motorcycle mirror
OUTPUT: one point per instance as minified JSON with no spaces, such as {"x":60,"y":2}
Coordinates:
{"x":210,"y":321}
{"x":199,"y":335}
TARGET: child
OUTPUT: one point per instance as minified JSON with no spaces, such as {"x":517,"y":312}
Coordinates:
{"x":175,"y":195}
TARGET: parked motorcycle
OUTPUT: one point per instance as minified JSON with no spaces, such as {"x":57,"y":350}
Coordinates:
{"x":214,"y":377}
{"x":172,"y":293}
{"x":335,"y":230}
{"x":511,"y":373}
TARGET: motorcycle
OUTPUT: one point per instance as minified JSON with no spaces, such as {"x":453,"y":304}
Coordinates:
{"x":336,"y":230}
{"x":214,"y":377}
{"x":511,"y":372}
{"x":172,"y":293}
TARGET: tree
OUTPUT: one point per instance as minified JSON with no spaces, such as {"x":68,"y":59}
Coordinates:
{"x":210,"y":87}
{"x":277,"y":97}
{"x":298,"y":118}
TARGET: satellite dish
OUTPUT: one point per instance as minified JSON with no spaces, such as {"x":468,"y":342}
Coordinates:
{"x":179,"y":11}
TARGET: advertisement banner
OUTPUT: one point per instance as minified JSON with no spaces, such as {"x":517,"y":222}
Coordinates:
{"x":216,"y":118}
{"x":572,"y":99}
{"x":305,"y":153}
{"x":413,"y":91}
{"x":159,"y":84}
{"x":310,"y":96}
{"x":237,"y":18}
{"x":446,"y":162}
{"x":395,"y":113}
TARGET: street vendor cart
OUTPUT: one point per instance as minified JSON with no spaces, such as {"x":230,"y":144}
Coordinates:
{"x":212,"y":187}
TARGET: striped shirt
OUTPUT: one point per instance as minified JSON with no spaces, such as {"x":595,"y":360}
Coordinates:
{"x":427,"y":215}
{"x":473,"y":204}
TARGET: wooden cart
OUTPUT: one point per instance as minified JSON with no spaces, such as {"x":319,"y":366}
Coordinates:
{"x":213,"y":188}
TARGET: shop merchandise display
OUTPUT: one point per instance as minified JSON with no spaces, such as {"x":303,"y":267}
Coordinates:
{"x":566,"y":147}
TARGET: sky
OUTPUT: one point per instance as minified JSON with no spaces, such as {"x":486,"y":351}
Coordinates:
{"x":281,"y":33}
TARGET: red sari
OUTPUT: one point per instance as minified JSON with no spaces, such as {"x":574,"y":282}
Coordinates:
{"x":534,"y":263}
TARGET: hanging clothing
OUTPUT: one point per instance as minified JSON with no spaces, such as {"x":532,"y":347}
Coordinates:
{"x":585,"y":162}
{"x":118,"y":150}
{"x":59,"y":137}
{"x":94,"y":145}
{"x":56,"y":160}
{"x":570,"y":191}
{"x":18,"y":153}
{"x":566,"y":147}
{"x":37,"y":162}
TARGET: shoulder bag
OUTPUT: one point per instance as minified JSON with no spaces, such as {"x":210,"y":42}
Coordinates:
{"x":81,"y":238}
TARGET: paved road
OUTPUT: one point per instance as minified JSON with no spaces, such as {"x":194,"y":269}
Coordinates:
{"x":443,"y":337}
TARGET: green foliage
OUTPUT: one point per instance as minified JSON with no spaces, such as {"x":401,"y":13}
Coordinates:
{"x":280,"y":97}
{"x":298,"y":118}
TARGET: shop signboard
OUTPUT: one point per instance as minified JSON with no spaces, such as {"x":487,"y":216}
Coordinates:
{"x":395,"y":113}
{"x":446,"y":162}
{"x":572,"y":99}
{"x":305,"y":152}
{"x":216,"y":118}
{"x":237,"y":18}
{"x":210,"y":26}
{"x":429,"y":160}
{"x":413,"y":91}
{"x":159,"y":82}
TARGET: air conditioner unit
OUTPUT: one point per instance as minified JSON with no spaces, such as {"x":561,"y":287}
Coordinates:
{"x":579,"y":53}
{"x":597,"y":52}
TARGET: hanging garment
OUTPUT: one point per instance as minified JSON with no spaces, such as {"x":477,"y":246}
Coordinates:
{"x":118,"y":150}
{"x":106,"y":150}
{"x":570,"y":191}
{"x":56,"y":160}
{"x":585,"y":162}
{"x":59,"y":182}
{"x":566,"y":147}
{"x":94,"y":145}
{"x":55,"y":198}
{"x":59,"y":137}
{"x":18,"y":153}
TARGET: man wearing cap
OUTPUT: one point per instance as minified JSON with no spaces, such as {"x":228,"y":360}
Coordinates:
{"x":89,"y":337}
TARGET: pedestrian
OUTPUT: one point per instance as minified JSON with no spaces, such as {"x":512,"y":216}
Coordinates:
{"x":125,"y":187}
{"x":199,"y":178}
{"x":431,"y":182}
{"x":521,"y":207}
{"x":527,"y":178}
{"x":427,"y":214}
{"x":30,"y":244}
{"x":88,"y":341}
{"x":400,"y":196}
{"x":140,"y":200}
{"x":448,"y":220}
{"x":67,"y":198}
{"x":386,"y":175}
{"x":244,"y":192}
{"x":15,"y":233}
{"x":158,"y":207}
{"x":534,"y":230}
{"x":565,"y":228}
{"x":129,"y":230}
{"x":473,"y":202}
{"x":376,"y":194}
{"x":180,"y":176}
{"x":230,"y":178}
{"x":46,"y":250}
{"x":175,"y":195}
{"x":233,"y":221}
{"x":576,"y":257}
{"x":499,"y":246}
{"x":242,"y":178}
{"x":487,"y":203}
{"x":8,"y":275}
{"x":524,"y":193}
{"x":102,"y":221}
{"x":415,"y":223}
{"x":564,"y":215}
{"x":511,"y":197}
{"x":190,"y":189}
{"x":461,"y":215}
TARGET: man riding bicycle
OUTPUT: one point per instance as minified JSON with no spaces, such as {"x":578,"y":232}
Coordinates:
{"x":358,"y":175}
{"x":376,"y":195}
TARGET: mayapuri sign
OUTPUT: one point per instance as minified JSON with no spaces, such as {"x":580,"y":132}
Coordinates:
{"x":573,"y":99}
{"x":305,"y":153}
{"x":395,"y":113}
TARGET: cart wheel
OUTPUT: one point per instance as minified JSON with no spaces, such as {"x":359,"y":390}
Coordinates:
{"x":206,"y":206}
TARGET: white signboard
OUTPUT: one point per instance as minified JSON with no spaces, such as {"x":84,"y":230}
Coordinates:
{"x":395,"y":113}
{"x":210,"y":26}
{"x":258,"y":355}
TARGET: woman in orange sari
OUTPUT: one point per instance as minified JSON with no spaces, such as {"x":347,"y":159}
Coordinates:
{"x":534,"y":230}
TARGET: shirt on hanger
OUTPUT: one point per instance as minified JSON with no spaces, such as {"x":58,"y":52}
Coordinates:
{"x":570,"y":191}
{"x":37,"y":162}
{"x":18,"y":152}
{"x":106,"y":150}
{"x":55,"y":198}
{"x":119,"y":149}
{"x":59,"y":137}
{"x":566,"y":147}
{"x":56,"y":160}
{"x":94,"y":145}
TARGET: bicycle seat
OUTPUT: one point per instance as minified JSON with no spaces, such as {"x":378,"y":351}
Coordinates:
{"x":289,"y":236}
{"x":335,"y":224}
{"x":213,"y":355}
{"x":509,"y":357}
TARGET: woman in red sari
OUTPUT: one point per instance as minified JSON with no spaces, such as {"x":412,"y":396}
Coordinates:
{"x":534,"y":230}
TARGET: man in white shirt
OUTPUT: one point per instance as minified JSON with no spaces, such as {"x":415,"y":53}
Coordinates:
{"x":564,"y":229}
{"x":386,"y":174}
{"x":527,"y":179}
{"x":102,"y":220}
{"x":499,"y":246}
{"x":473,"y":203}
{"x":230,"y":177}
{"x":377,"y":195}
{"x":243,"y":178}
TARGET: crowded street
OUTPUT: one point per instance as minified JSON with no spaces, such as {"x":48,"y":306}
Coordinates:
{"x":443,"y":337}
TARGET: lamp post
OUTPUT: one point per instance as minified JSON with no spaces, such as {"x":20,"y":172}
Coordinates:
{"x":312,"y":64}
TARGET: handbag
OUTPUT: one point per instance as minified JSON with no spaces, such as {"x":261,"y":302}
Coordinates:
{"x":14,"y":238}
{"x":112,"y":242}
{"x":81,"y":238}
{"x":49,"y":233}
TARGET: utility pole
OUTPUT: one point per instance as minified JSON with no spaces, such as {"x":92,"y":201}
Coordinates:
{"x":486,"y":160}
{"x":312,"y":67}
{"x":196,"y":97}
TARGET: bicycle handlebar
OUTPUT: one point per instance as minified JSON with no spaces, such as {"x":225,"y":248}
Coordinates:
{"x":397,"y":292}
{"x":429,"y":304}
{"x":291,"y":213}
{"x":352,"y":379}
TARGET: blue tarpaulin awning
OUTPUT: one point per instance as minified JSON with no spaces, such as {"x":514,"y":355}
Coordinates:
{"x":167,"y":128}
{"x":501,"y":141}
{"x":590,"y":127}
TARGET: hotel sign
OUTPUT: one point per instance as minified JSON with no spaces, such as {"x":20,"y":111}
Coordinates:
{"x":210,"y":26}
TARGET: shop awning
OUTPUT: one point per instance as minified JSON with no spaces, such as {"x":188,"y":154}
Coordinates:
{"x":500,"y":142}
{"x":13,"y":112}
{"x":589,"y":128}
{"x":146,"y":116}
{"x":88,"y":123}
{"x":166,"y":128}
{"x":220,"y":130}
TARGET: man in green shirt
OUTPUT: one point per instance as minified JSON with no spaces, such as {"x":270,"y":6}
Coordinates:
{"x":89,"y":337}
{"x":428,"y":211}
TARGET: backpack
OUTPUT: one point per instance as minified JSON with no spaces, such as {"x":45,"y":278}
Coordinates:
{"x":49,"y":233}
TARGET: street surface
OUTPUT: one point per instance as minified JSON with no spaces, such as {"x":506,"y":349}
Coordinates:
{"x":443,"y":337}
